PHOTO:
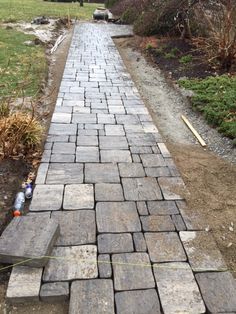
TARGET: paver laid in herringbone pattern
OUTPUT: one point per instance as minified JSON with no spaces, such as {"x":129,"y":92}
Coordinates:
{"x":127,"y":244}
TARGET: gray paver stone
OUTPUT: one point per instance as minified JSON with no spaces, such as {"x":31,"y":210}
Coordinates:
{"x":64,"y":173}
{"x":152,"y":160}
{"x":92,"y":296}
{"x":158,"y":172}
{"x":115,"y":156}
{"x":172,"y":188}
{"x":115,"y":243}
{"x":47,"y":197}
{"x":138,"y":302}
{"x":101,"y":173}
{"x":55,"y":292}
{"x":129,"y":272}
{"x":142,"y":208}
{"x":202,"y":251}
{"x":139,"y":242}
{"x":37,"y":236}
{"x":76,"y":227}
{"x":218,"y":290}
{"x":63,"y":148}
{"x":162,"y":208}
{"x":165,"y":247}
{"x":87,"y":154}
{"x":117,"y":217}
{"x":62,"y":158}
{"x":78,"y":196}
{"x":141,"y":189}
{"x":157,"y":223}
{"x":178,"y":289}
{"x":178,"y":222}
{"x":133,"y":170}
{"x":84,"y":140}
{"x":72,"y":262}
{"x":24,"y":284}
{"x":113,"y":142}
{"x":104,"y":266}
{"x":108,"y":192}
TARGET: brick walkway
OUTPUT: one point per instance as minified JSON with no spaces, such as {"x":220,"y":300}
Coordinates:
{"x":108,"y":179}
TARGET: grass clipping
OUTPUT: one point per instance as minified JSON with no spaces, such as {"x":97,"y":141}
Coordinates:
{"x":20,"y":133}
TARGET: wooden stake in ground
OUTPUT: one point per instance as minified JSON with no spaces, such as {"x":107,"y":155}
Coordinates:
{"x":196,"y":134}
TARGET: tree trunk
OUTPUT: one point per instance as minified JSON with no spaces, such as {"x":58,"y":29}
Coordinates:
{"x":81,"y":3}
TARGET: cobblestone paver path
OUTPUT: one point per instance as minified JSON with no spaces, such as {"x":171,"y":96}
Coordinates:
{"x":126,"y":244}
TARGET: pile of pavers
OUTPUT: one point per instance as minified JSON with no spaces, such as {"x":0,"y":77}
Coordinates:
{"x":127,"y":242}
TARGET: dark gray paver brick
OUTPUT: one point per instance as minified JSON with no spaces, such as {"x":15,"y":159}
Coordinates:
{"x":178,"y":222}
{"x":62,"y":158}
{"x":162,"y":208}
{"x":62,"y":129}
{"x":63,"y":148}
{"x":157,"y":223}
{"x":158,"y":172}
{"x":202,"y":251}
{"x":72,"y":262}
{"x":104,"y":266}
{"x":108,"y":192}
{"x":115,"y":243}
{"x":133,"y":170}
{"x":138,"y":302}
{"x":117,"y":217}
{"x":152,"y":160}
{"x":165,"y":247}
{"x":101,"y":173}
{"x":218,"y":290}
{"x":139,"y":242}
{"x":55,"y":292}
{"x":141,"y":189}
{"x":78,"y":196}
{"x":142,"y":208}
{"x":24,"y":284}
{"x":113,"y":142}
{"x":130,"y":272}
{"x":92,"y":296}
{"x":178,"y":289}
{"x":65,"y":173}
{"x":84,"y":140}
{"x":76,"y":227}
{"x":37,"y":236}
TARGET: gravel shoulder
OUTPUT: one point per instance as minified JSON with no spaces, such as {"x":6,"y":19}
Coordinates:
{"x":209,"y":173}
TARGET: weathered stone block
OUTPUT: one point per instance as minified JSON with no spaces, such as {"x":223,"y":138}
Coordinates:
{"x":133,"y":170}
{"x":47,"y":197}
{"x":115,"y":243}
{"x":78,"y":196}
{"x":104,"y":266}
{"x":162,"y":208}
{"x":108,"y":192}
{"x":101,"y":173}
{"x":129,"y":273}
{"x":70,"y":263}
{"x":55,"y":292}
{"x":65,"y":173}
{"x":37,"y":236}
{"x":157,"y":223}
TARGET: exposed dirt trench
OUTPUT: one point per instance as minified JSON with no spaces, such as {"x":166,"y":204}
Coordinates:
{"x":210,"y":179}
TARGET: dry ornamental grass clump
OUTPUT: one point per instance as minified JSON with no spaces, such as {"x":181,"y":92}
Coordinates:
{"x":19,"y":132}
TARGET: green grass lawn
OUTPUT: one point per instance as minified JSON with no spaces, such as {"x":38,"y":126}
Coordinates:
{"x":215,"y":97}
{"x":22,"y":68}
{"x":26,"y":10}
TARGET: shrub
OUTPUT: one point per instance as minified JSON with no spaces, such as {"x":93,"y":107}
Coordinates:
{"x":186,"y":59}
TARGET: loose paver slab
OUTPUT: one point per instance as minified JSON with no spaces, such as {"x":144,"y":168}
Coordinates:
{"x":108,"y":192}
{"x":64,"y":173}
{"x":72,"y":262}
{"x":202,"y":251}
{"x":76,"y":227}
{"x":115,"y":243}
{"x":141,"y":189}
{"x":55,"y":292}
{"x":101,"y":173}
{"x":78,"y":196}
{"x":138,"y":302}
{"x":117,"y":217}
{"x":92,"y":296}
{"x":47,"y":197}
{"x":165,"y":247}
{"x":178,"y":289}
{"x":132,"y":271}
{"x":218,"y":290}
{"x":157,"y":223}
{"x":37,"y":236}
{"x":24,"y":284}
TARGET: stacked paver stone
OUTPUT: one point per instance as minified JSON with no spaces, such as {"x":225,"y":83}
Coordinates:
{"x":126,"y":244}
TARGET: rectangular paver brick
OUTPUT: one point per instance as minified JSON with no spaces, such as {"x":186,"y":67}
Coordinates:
{"x":115,"y":243}
{"x":101,"y":173}
{"x":59,"y":173}
{"x":78,"y":196}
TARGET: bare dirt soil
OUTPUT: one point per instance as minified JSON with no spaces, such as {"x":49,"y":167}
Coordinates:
{"x":14,"y":172}
{"x":210,"y":179}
